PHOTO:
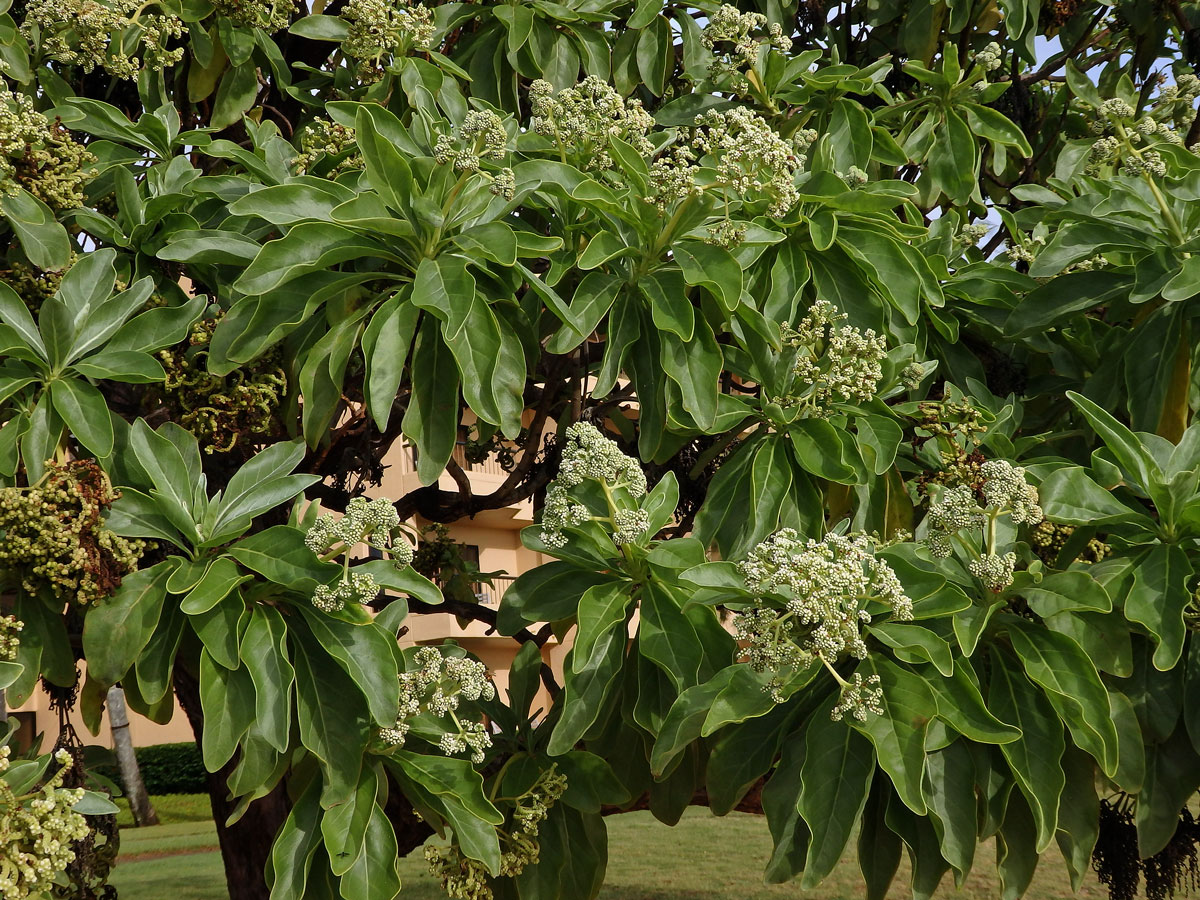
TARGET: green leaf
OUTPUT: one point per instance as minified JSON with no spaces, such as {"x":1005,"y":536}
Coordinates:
{"x":818,"y":446}
{"x":547,"y":593}
{"x":135,"y":514}
{"x":1170,"y":780}
{"x":235,"y":95}
{"x":432,"y":417}
{"x":1128,"y":449}
{"x":899,"y":732}
{"x":129,"y":366}
{"x":295,"y":845}
{"x":116,"y":631}
{"x":1066,"y":592}
{"x":260,"y":485}
{"x":307,"y":248}
{"x":368,"y":654}
{"x":591,"y":301}
{"x":171,"y":474}
{"x":227,"y":697}
{"x":15,"y":314}
{"x":1158,"y":599}
{"x":85,"y":413}
{"x":344,"y":827}
{"x":386,"y":343}
{"x":1078,"y":815}
{"x":950,"y":794}
{"x":1035,"y":758}
{"x":387,"y":169}
{"x":221,"y":577}
{"x":695,"y":366}
{"x":44,"y":241}
{"x":1072,"y":686}
{"x":835,"y":775}
{"x":280,"y":554}
{"x":375,"y":873}
{"x":460,"y":789}
{"x":712,"y":267}
{"x":1068,"y":495}
{"x":332,"y":716}
{"x":265,"y":655}
{"x":960,"y":705}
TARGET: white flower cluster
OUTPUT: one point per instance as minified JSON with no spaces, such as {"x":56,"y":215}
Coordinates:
{"x":859,"y":697}
{"x":737,"y":153}
{"x":835,"y":362}
{"x":1005,"y":492}
{"x":36,"y":833}
{"x":585,"y":119}
{"x":465,"y":878}
{"x":356,"y":588}
{"x":956,"y":510}
{"x":374,"y":522}
{"x":322,"y":137}
{"x":93,"y":34}
{"x":1006,"y":489}
{"x":589,"y":455}
{"x":994,"y":570}
{"x":383,"y":29}
{"x":436,"y":686}
{"x":990,"y":57}
{"x":269,"y":15}
{"x":481,"y":136}
{"x":824,"y":586}
{"x":10,"y":637}
{"x":734,"y":37}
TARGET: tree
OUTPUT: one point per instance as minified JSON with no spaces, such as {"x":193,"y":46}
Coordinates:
{"x":849,"y":346}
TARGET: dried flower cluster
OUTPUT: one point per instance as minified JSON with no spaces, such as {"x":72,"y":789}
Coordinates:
{"x":436,"y":687}
{"x":381,"y":30}
{"x":589,"y":455}
{"x":10,"y":637}
{"x":373,"y":522}
{"x":466,"y":878}
{"x":1004,"y":492}
{"x":835,"y":363}
{"x":93,"y":34}
{"x":37,"y":831}
{"x":40,"y":155}
{"x":584,"y":121}
{"x":53,"y":538}
{"x":221,"y":410}
{"x":818,"y":591}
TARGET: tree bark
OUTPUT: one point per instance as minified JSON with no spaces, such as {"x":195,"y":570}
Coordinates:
{"x":131,"y":775}
{"x":246,"y":844}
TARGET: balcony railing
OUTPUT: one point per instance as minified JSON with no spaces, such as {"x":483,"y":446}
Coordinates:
{"x":488,"y":466}
{"x":489,"y":595}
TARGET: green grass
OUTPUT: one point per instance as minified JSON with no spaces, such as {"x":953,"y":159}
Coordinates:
{"x":701,"y":859}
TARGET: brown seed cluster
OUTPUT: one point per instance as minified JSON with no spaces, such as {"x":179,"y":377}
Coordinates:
{"x":53,"y":535}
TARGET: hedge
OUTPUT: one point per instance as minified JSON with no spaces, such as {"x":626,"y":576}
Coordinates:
{"x":168,"y":769}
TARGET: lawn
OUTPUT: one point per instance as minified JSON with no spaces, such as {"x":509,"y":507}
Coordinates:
{"x":702,"y":859}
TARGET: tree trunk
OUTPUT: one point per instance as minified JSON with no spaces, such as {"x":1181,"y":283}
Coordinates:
{"x":131,"y":775}
{"x":245,"y":845}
